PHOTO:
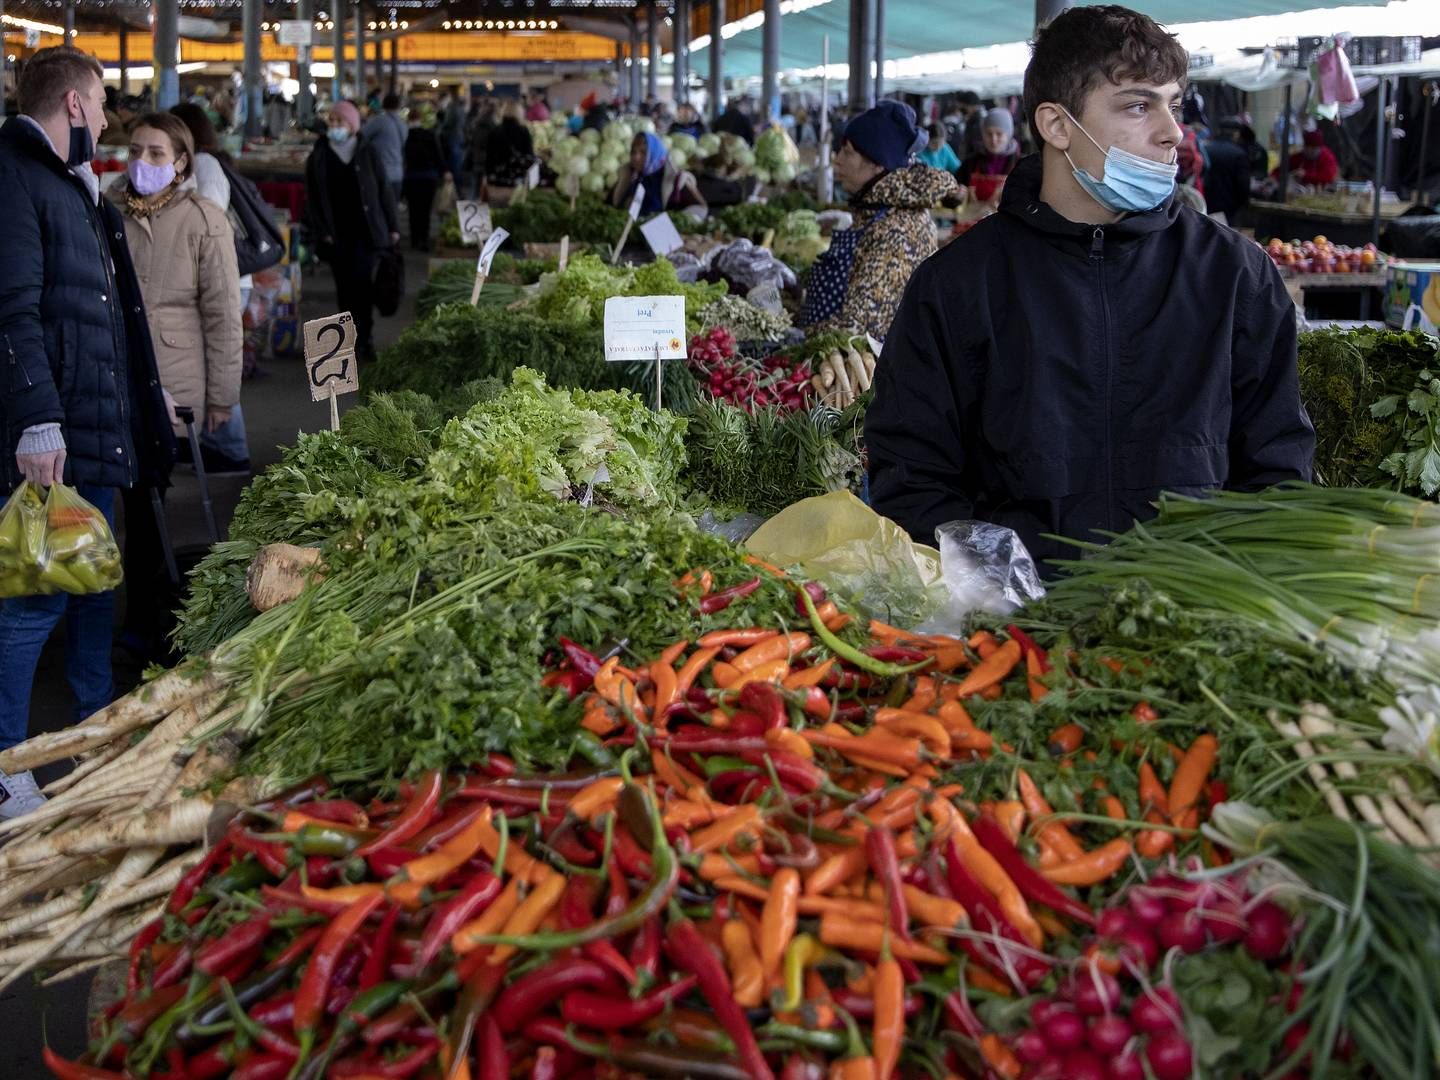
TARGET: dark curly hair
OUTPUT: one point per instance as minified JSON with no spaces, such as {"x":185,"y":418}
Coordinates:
{"x":1081,"y":46}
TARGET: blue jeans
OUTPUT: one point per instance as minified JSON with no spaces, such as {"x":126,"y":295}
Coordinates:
{"x":25,"y":626}
{"x":229,"y":438}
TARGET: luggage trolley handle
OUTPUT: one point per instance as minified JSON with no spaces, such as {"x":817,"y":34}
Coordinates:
{"x":186,"y":415}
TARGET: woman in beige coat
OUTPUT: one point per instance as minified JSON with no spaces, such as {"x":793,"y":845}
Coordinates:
{"x":184,"y":253}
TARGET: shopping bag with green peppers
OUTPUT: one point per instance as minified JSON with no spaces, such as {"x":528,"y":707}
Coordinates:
{"x":55,"y":542}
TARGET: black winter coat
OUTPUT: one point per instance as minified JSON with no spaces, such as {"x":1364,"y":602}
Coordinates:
{"x":1054,"y":377}
{"x":76,"y":345}
{"x":377,"y":201}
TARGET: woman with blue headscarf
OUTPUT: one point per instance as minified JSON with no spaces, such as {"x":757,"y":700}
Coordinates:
{"x":651,"y":170}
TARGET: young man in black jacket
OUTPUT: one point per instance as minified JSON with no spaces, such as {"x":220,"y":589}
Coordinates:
{"x":1094,"y":343}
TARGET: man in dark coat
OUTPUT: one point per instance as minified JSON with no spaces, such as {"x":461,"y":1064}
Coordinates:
{"x":1094,"y":343}
{"x":82,"y":402}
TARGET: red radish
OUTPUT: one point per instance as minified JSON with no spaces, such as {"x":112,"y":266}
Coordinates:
{"x":1146,"y":908}
{"x":1138,"y":947}
{"x":1269,"y":933}
{"x":1083,"y":1065}
{"x":1109,"y":1034}
{"x":1113,"y":922}
{"x":1295,"y":1036}
{"x":1224,"y":922}
{"x":1182,"y":930}
{"x":1156,"y":1010}
{"x":1030,"y":1047}
{"x":1062,"y":1028}
{"x":1127,"y":1066}
{"x":1188,"y":895}
{"x":1093,"y":992}
{"x":1052,"y":1068}
{"x":1169,"y":1056}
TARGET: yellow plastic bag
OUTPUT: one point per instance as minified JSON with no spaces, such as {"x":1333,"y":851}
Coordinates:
{"x":55,"y":543}
{"x":840,"y":541}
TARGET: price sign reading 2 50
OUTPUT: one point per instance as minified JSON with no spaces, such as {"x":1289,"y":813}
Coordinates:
{"x":330,"y":363}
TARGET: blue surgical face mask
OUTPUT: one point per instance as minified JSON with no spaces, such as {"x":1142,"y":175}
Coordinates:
{"x":1131,"y":184}
{"x":339,"y":134}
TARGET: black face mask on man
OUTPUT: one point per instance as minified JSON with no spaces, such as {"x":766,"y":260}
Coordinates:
{"x":82,"y":143}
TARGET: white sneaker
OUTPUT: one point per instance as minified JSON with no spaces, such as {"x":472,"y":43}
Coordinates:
{"x":19,"y":794}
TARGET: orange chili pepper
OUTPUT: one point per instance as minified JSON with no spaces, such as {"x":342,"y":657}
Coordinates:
{"x":341,"y":894}
{"x":980,"y":638}
{"x":1113,"y":808}
{"x":724,"y":675}
{"x":777,"y":918}
{"x":885,"y":633}
{"x":805,"y":678}
{"x":991,"y":671}
{"x":978,"y":976}
{"x":597,"y":797}
{"x":720,"y":638}
{"x":673,"y":653}
{"x":747,"y":978}
{"x":790,"y":740}
{"x":666,"y":685}
{"x":598,"y":718}
{"x":826,"y":611}
{"x":768,"y":567}
{"x":618,"y":688}
{"x":686,"y":814}
{"x":842,"y":932}
{"x":1093,"y":866}
{"x":714,"y":867}
{"x":927,"y":729}
{"x":528,"y":916}
{"x":954,"y":717}
{"x":412,"y":878}
{"x":880,"y":746}
{"x":1155,"y":807}
{"x":836,"y":870}
{"x":999,"y":1057}
{"x":517,"y":862}
{"x":932,"y":910}
{"x":739,"y":822}
{"x":691,"y":669}
{"x":855,"y":1068}
{"x":1065,"y":739}
{"x":781,"y":647}
{"x":888,"y":1030}
{"x":773,"y":671}
{"x":673,"y":776}
{"x":839,"y":622}
{"x":466,"y":939}
{"x":997,"y":882}
{"x":923,"y":696}
{"x":1056,"y":834}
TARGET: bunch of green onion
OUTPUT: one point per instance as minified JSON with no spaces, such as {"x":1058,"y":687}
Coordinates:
{"x":1355,"y":571}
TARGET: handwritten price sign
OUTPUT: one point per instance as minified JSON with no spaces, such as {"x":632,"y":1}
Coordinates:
{"x":330,"y":365}
{"x":474,"y":220}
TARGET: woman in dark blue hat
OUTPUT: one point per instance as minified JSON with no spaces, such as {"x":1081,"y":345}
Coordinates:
{"x":856,"y":286}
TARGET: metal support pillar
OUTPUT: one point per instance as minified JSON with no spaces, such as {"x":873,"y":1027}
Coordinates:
{"x":124,"y":34}
{"x":166,"y":49}
{"x":337,"y":82}
{"x":360,"y":53}
{"x":304,"y":100}
{"x":681,"y":47}
{"x":770,"y":61}
{"x":1382,"y":140}
{"x":652,"y":51}
{"x":251,"y":85}
{"x":69,"y":22}
{"x":1285,"y":143}
{"x":380,"y":64}
{"x":394,"y":65}
{"x":717,"y":59}
{"x":879,"y":48}
{"x":633,"y":86}
{"x":862,"y":53}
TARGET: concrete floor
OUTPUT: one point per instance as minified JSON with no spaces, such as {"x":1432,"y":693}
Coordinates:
{"x":277,"y":408}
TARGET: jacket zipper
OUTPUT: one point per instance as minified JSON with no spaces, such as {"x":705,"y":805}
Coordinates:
{"x":118,"y":339}
{"x":1097,"y":255}
{"x":15,"y":362}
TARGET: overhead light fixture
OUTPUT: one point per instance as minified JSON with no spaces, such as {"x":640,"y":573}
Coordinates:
{"x":434,"y":84}
{"x":445,"y":25}
{"x":404,"y":25}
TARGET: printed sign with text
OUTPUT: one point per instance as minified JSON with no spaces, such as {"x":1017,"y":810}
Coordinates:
{"x":645,"y":328}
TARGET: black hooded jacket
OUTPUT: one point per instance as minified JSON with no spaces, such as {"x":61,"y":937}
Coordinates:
{"x":1054,"y":377}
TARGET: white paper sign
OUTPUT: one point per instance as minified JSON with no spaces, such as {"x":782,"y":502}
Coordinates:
{"x":474,"y":220}
{"x":637,"y":202}
{"x":662,"y":236}
{"x":532,"y":178}
{"x":645,"y":328}
{"x":487,"y":253}
{"x":295,"y":32}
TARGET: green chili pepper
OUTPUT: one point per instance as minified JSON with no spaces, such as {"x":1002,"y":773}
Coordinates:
{"x":827,"y":1042}
{"x":849,"y":653}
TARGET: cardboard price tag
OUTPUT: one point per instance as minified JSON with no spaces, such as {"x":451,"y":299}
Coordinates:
{"x":487,"y":253}
{"x":662,"y":236}
{"x":474,"y":220}
{"x":330,"y":365}
{"x":532,"y":176}
{"x":637,"y":202}
{"x":645,"y":328}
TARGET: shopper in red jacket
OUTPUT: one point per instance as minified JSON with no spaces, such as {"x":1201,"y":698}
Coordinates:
{"x":1315,"y":165}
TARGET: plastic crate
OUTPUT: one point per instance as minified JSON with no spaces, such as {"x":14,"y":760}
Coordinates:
{"x":1365,"y":51}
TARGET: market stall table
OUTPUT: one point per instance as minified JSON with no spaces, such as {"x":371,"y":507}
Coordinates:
{"x":1361,"y":284}
{"x":1287,"y":220}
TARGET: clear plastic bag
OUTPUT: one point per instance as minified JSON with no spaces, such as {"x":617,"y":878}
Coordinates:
{"x":55,"y":543}
{"x":986,"y":568}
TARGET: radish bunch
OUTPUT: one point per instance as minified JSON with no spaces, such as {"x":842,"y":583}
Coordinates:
{"x":744,"y":383}
{"x":1116,"y":1016}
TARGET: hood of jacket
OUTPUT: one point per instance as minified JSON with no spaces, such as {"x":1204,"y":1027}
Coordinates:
{"x":915,"y":187}
{"x":1021,"y":201}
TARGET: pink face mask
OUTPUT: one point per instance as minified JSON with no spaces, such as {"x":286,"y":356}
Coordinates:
{"x":149,"y":179}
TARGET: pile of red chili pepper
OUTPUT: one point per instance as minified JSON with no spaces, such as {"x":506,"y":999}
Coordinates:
{"x":776,"y":878}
